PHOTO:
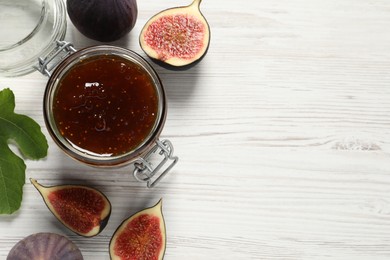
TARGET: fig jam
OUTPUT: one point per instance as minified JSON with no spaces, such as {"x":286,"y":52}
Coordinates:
{"x":105,"y":105}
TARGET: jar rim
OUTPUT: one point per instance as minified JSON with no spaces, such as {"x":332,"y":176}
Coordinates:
{"x":89,"y":158}
{"x":21,"y":57}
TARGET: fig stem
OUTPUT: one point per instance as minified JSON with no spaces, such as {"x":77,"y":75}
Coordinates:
{"x":196,"y":3}
{"x":35,"y":183}
{"x":40,"y":188}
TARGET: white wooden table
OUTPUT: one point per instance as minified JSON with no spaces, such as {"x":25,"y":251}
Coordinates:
{"x":283,"y":134}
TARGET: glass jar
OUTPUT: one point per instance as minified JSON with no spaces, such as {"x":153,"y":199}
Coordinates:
{"x":29,"y":29}
{"x":105,"y":106}
{"x":31,"y":39}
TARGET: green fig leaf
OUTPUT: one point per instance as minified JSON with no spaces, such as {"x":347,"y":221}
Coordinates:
{"x":26,"y":134}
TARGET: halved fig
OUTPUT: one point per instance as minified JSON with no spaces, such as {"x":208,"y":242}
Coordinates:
{"x":84,"y":210}
{"x":45,"y":246}
{"x":178,"y":36}
{"x":140,"y":237}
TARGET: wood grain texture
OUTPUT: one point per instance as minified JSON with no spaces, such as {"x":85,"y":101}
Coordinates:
{"x":283,"y":134}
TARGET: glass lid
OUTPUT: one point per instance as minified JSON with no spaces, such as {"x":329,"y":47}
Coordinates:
{"x":28,"y":29}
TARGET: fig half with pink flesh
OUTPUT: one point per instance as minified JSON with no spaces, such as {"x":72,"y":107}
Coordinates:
{"x":178,"y":36}
{"x":82,"y":209}
{"x":140,"y":237}
{"x":45,"y":246}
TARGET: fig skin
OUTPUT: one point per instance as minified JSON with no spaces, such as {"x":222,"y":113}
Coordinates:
{"x":79,"y":217}
{"x":103,"y":20}
{"x":45,"y":246}
{"x":151,"y":213}
{"x":170,"y":61}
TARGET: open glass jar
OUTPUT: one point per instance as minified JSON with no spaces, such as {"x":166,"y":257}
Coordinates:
{"x":28,"y":30}
{"x":105,"y":106}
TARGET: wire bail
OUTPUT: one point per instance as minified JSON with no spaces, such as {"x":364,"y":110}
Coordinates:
{"x":64,"y":48}
{"x":144,"y":170}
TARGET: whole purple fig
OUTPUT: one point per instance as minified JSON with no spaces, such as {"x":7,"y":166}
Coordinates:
{"x":103,"y":20}
{"x":45,"y":246}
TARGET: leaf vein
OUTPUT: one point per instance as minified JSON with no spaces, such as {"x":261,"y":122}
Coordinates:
{"x":19,"y":128}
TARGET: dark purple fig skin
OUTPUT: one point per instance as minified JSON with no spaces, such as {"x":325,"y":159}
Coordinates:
{"x":45,"y":246}
{"x":103,"y":20}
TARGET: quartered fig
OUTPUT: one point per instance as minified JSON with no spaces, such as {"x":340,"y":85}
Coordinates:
{"x":103,"y":20}
{"x":45,"y":246}
{"x":84,"y":210}
{"x":140,"y":237}
{"x":178,"y":36}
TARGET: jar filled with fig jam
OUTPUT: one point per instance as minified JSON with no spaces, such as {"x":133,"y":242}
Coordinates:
{"x":105,"y":106}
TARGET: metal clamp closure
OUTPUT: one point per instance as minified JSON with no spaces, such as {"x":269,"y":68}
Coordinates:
{"x":62,"y":50}
{"x":144,"y":170}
